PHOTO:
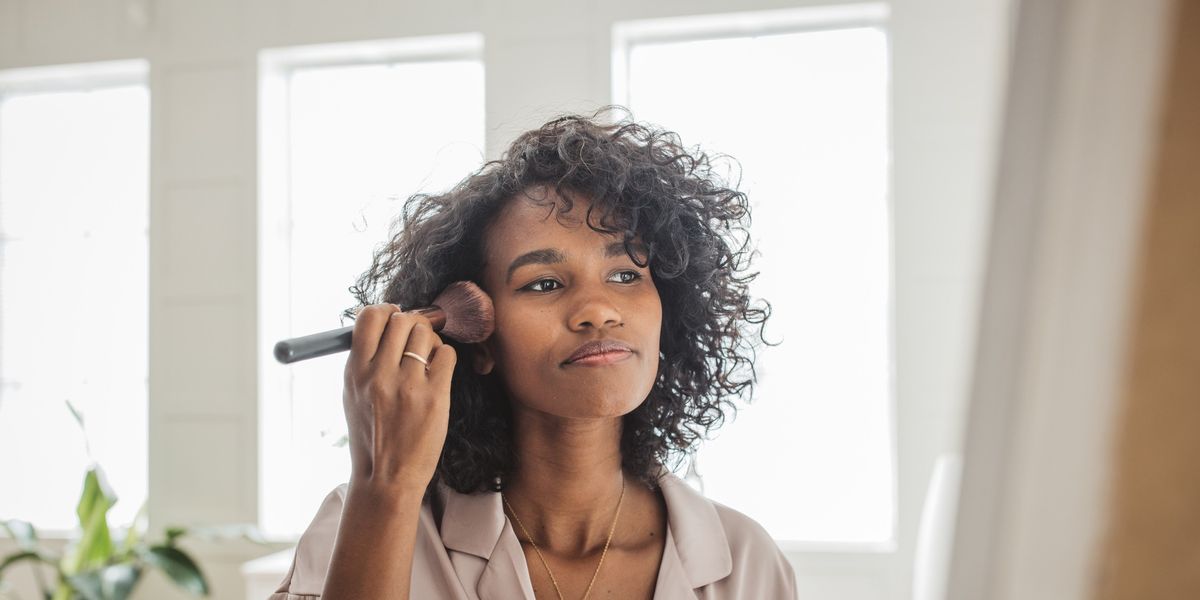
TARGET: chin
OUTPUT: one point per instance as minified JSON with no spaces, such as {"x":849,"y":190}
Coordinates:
{"x":612,"y":408}
{"x":579,"y":406}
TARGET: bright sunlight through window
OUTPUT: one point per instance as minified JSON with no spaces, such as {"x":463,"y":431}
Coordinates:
{"x":73,"y":299}
{"x":805,"y":113}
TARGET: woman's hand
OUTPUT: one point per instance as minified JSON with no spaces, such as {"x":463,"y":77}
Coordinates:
{"x":397,"y":412}
{"x":397,"y":409}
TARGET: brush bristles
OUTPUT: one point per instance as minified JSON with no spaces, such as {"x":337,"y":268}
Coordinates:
{"x":470,"y":317}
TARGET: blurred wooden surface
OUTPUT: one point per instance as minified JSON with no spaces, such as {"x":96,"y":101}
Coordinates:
{"x":1152,"y":548}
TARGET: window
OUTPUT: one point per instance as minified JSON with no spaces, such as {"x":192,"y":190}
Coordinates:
{"x":800,"y":99}
{"x":345,"y":142}
{"x":74,"y":206}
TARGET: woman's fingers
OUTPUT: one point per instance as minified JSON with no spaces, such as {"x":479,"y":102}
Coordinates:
{"x":421,"y":342}
{"x":396,"y":408}
{"x":392,"y":341}
{"x":368,"y":325}
{"x":405,"y":333}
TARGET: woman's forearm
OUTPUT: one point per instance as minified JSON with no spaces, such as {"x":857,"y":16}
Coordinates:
{"x":372,"y":557}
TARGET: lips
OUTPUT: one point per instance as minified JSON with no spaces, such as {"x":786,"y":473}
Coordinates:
{"x":597,"y":347}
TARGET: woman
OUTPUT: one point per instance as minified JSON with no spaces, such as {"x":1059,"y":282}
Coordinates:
{"x":534,"y":466}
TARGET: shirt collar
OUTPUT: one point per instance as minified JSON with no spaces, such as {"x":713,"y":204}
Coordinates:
{"x":473,"y":523}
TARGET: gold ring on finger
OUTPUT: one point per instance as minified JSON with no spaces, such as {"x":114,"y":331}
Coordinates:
{"x":418,"y":357}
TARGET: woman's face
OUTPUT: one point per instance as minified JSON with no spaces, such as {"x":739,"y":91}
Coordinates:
{"x":557,"y":284}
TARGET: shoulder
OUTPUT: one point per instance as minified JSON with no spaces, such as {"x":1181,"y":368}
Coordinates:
{"x":743,"y":533}
{"x":315,"y":549}
{"x":723,"y":548}
{"x":759,"y":568}
{"x":752,"y":549}
{"x":712,"y":522}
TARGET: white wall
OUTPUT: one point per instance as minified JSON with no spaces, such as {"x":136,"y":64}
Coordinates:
{"x":541,"y":57}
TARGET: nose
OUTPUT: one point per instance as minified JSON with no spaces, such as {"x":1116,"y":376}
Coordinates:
{"x":594,"y":308}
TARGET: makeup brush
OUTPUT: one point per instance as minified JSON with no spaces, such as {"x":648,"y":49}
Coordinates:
{"x":462,"y":311}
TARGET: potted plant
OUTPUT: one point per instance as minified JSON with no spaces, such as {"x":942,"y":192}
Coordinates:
{"x":93,"y":567}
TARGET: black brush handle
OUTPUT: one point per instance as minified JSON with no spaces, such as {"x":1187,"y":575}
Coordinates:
{"x":312,"y":346}
{"x":338,"y":340}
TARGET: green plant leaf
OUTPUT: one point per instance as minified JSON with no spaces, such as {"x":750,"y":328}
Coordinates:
{"x":174,"y":533}
{"x":136,"y":530}
{"x":75,"y":413}
{"x":34,"y":555}
{"x":179,"y":567}
{"x":87,"y":445}
{"x":26,"y":536}
{"x":87,"y":585}
{"x":95,"y":546}
{"x":64,"y":591}
{"x":118,"y":580}
{"x":114,"y":582}
{"x":21,"y":531}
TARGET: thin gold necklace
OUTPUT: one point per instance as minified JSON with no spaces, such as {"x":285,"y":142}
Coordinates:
{"x":611,"y":529}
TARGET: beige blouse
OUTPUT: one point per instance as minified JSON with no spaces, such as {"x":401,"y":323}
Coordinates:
{"x":472,"y":553}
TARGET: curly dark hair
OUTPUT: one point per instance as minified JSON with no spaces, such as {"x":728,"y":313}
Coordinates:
{"x":644,"y":183}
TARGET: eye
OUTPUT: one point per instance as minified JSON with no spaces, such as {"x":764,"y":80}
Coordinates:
{"x":628,"y":276}
{"x":538,"y":287}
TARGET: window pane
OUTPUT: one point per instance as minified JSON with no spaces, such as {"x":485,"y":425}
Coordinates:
{"x":806,"y":116}
{"x":361,"y":140}
{"x":73,"y":299}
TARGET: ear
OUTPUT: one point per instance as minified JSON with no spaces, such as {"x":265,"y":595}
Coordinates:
{"x":483,"y":359}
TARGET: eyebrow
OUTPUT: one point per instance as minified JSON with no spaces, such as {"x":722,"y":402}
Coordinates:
{"x":549,"y":256}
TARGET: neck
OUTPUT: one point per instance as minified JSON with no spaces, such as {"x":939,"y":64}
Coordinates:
{"x":568,"y":481}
